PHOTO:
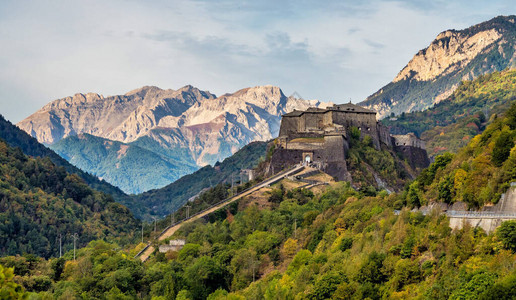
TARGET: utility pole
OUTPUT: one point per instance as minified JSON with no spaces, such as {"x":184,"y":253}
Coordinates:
{"x":232,"y":183}
{"x":187,"y":211}
{"x":155,"y":221}
{"x":142,"y":231}
{"x":253,"y":267}
{"x":75,"y":237}
{"x":60,"y":247}
{"x":172,"y":219}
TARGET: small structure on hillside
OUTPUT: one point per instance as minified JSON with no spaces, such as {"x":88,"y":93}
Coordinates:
{"x":246,"y":175}
{"x":321,"y":137}
{"x":174,"y":245}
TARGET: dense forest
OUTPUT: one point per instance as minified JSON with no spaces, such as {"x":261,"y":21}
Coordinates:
{"x":41,"y":204}
{"x":478,"y":174}
{"x":16,"y":137}
{"x":450,"y":124}
{"x":342,"y":243}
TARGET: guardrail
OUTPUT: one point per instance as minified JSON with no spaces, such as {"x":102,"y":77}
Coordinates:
{"x":479,"y":214}
{"x":143,"y":250}
{"x":472,"y":214}
{"x":280,"y":174}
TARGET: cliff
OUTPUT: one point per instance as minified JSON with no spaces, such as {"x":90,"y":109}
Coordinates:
{"x":454,"y":55}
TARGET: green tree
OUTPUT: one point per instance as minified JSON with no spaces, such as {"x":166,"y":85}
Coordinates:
{"x":205,"y":276}
{"x":502,"y":148}
{"x":413,"y":195}
{"x":507,"y":234}
{"x":8,"y":288}
{"x":372,"y":269}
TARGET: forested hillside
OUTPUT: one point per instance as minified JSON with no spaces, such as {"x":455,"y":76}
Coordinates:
{"x":337,"y":245}
{"x":161,"y":202}
{"x":132,"y":168}
{"x":16,"y":137}
{"x":451,"y":124}
{"x":478,"y":174}
{"x":40,"y":201}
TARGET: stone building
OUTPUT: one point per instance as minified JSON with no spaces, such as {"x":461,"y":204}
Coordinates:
{"x":320,"y":136}
{"x":174,"y":245}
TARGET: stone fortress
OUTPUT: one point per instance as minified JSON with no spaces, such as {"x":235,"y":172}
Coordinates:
{"x":321,"y":137}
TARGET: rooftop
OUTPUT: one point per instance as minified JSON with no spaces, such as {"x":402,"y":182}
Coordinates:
{"x":348,"y":107}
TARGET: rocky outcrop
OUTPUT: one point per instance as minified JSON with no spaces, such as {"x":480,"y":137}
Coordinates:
{"x":434,"y":72}
{"x":450,"y":51}
{"x":121,"y":118}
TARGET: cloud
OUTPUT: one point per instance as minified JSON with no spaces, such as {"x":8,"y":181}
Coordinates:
{"x":330,"y":50}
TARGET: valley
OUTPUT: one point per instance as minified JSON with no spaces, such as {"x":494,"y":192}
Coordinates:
{"x":175,"y":131}
{"x":182,"y":194}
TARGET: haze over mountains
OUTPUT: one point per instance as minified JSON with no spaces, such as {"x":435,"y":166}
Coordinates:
{"x":181,"y":129}
{"x":150,"y":137}
{"x":434,"y":72}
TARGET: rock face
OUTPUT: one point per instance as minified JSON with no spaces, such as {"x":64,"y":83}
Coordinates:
{"x":121,"y":118}
{"x":434,"y":72}
{"x":186,"y":127}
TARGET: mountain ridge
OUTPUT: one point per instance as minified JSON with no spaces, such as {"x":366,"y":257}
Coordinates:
{"x":185,"y":125}
{"x":455,"y":55}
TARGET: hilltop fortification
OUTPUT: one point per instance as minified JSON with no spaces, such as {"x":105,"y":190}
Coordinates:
{"x":321,"y":137}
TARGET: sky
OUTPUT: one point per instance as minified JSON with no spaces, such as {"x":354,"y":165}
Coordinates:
{"x":327,"y":50}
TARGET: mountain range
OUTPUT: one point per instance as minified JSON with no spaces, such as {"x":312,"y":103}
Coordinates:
{"x":150,"y":137}
{"x":455,"y":55}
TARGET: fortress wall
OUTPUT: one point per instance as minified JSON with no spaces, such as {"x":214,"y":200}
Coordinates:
{"x":408,"y":140}
{"x":313,"y":120}
{"x":385,"y":136}
{"x":488,"y":224}
{"x":305,"y":146}
{"x":363,"y":121}
{"x":328,"y":118}
{"x":283,"y":158}
{"x":335,"y":149}
{"x":301,"y":126}
{"x":416,"y":157}
{"x":288,"y":125}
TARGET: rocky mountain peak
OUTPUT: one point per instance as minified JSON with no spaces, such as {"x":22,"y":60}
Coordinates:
{"x":455,"y":55}
{"x":187,"y":128}
{"x":450,"y":51}
{"x":141,"y":92}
